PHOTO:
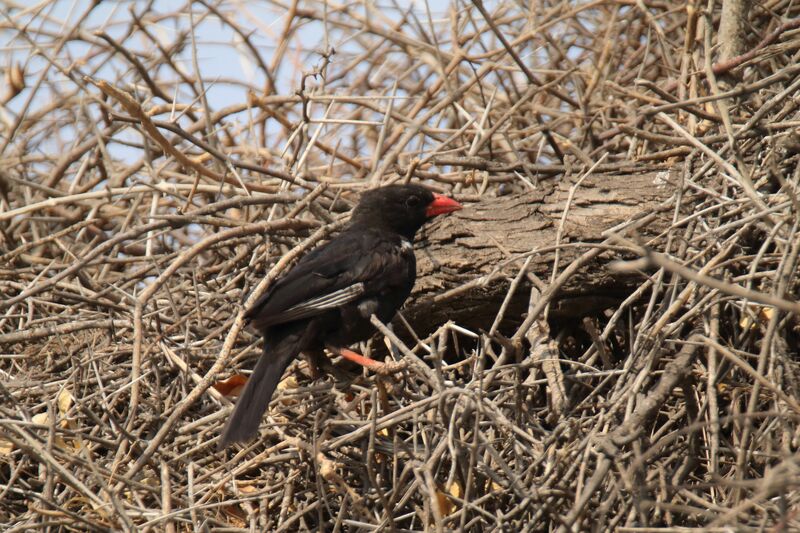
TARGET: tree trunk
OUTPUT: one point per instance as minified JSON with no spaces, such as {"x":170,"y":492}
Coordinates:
{"x":469,"y":258}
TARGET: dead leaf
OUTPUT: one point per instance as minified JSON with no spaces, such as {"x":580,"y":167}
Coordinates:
{"x":64,"y":401}
{"x":762,"y":316}
{"x":247,"y":488}
{"x":231,"y":387}
{"x":288,"y":383}
{"x":447,"y":505}
{"x":6,"y":447}
{"x":44,"y":420}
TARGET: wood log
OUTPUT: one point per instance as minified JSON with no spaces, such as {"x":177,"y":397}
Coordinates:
{"x":492,"y":238}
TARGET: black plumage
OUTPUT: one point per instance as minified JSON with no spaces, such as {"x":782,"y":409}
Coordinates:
{"x":327,"y":299}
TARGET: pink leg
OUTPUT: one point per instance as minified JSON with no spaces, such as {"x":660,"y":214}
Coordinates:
{"x":377,"y":366}
{"x":357,"y":358}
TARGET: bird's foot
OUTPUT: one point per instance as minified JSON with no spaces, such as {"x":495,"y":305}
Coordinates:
{"x":383,"y":369}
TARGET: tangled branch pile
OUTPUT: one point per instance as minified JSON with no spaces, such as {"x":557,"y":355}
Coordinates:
{"x":146,"y":186}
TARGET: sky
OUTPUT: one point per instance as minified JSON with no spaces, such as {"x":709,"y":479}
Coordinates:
{"x":226,"y":64}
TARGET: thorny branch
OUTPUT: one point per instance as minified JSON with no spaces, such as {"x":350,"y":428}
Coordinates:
{"x":146,"y":194}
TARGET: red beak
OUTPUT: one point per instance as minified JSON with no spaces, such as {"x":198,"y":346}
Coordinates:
{"x":442,"y":204}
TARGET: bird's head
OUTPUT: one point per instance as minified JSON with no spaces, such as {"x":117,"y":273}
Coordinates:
{"x":401,"y":208}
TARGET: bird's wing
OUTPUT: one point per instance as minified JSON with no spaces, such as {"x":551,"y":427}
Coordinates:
{"x":254,"y":400}
{"x":354,"y":265}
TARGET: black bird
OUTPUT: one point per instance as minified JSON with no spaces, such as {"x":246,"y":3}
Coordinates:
{"x":327,"y":299}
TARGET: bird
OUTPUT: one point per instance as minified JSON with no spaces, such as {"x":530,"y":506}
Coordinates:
{"x":327,"y":299}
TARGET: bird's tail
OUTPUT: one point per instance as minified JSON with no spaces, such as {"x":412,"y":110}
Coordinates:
{"x":254,"y":400}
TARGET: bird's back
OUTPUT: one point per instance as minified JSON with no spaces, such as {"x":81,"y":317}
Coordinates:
{"x":369,"y":269}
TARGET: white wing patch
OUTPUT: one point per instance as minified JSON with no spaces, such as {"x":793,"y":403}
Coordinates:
{"x":326,"y":301}
{"x":406,"y":246}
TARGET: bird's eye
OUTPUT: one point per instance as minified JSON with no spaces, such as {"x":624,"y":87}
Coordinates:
{"x":412,"y":201}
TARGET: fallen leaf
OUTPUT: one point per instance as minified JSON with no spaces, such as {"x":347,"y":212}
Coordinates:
{"x":232,"y":386}
{"x":288,"y":383}
{"x":6,"y":447}
{"x":762,"y":316}
{"x":247,"y":488}
{"x":64,"y":401}
{"x":446,"y":505}
{"x":455,"y":490}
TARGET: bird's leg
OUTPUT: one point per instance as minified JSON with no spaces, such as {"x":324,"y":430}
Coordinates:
{"x":357,"y":358}
{"x":316,"y":363}
{"x":372,"y":364}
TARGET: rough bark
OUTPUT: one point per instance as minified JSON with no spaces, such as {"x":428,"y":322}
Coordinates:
{"x":484,"y":239}
{"x":732,"y":37}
